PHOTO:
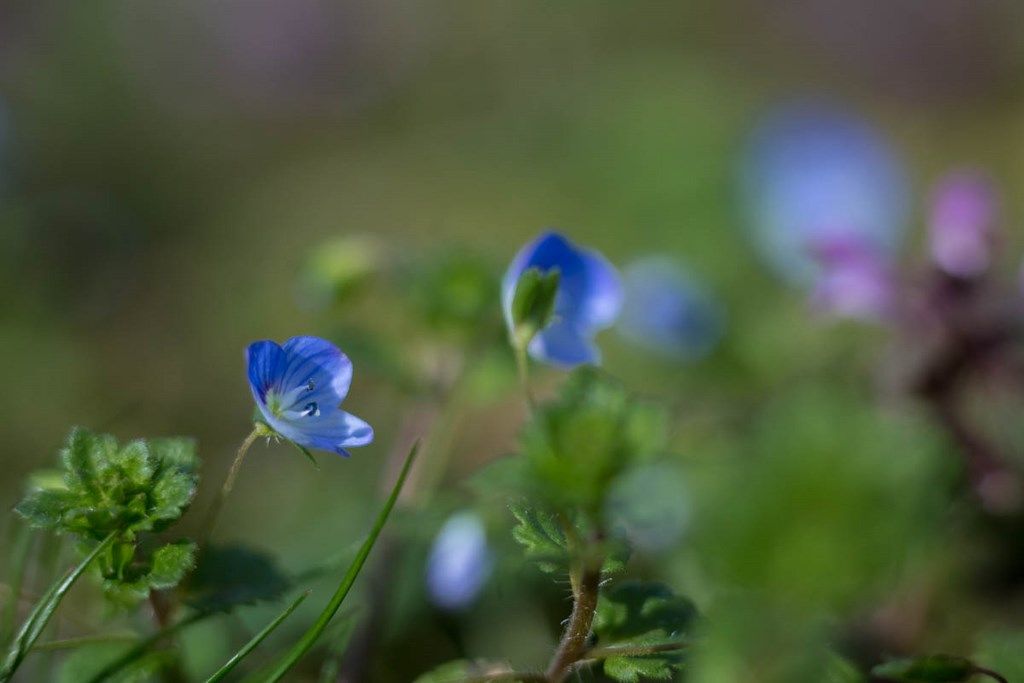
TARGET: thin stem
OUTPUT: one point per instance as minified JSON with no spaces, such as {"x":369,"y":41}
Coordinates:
{"x":982,"y":671}
{"x":229,"y":483}
{"x":523,"y":368}
{"x":573,"y":645}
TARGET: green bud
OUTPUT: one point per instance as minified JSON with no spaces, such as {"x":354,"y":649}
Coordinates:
{"x":930,"y":669}
{"x":533,"y":305}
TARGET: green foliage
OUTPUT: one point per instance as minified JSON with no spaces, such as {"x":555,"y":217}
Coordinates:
{"x":228,"y":576}
{"x":544,"y":542}
{"x":533,"y":304}
{"x":930,"y":669}
{"x":463,"y":670}
{"x":85,"y":662}
{"x":456,"y":294}
{"x":576,"y":445}
{"x":126,"y":491}
{"x":640,"y":628}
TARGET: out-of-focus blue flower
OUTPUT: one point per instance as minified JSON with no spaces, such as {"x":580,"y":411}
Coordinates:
{"x":813,"y":174}
{"x":855,"y":281}
{"x":460,"y":562}
{"x":668,"y":311}
{"x":588,"y":300}
{"x":299,"y":387}
{"x":963,"y":223}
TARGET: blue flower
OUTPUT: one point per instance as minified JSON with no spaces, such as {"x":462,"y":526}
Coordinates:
{"x":815,"y":173}
{"x":460,"y":562}
{"x":588,"y":300}
{"x":668,"y":311}
{"x":299,"y":388}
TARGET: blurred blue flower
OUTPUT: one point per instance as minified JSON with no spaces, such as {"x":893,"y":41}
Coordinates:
{"x":668,"y":311}
{"x":963,"y":223}
{"x":299,"y":387}
{"x":815,"y":173}
{"x":460,"y":562}
{"x":589,"y":298}
{"x":856,"y":281}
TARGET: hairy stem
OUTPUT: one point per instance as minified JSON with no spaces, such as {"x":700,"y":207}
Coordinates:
{"x":573,"y":645}
{"x":523,"y":368}
{"x":229,"y":484}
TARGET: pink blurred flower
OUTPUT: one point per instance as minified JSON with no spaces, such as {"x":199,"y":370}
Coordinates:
{"x":855,"y":280}
{"x":962,"y":227}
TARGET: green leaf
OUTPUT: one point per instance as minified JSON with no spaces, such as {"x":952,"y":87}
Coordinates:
{"x":256,"y":640}
{"x":170,"y":564}
{"x":45,"y":508}
{"x":541,"y":536}
{"x":930,"y":669}
{"x":640,"y":628}
{"x":228,"y":576}
{"x":464,"y":671}
{"x":43,"y":612}
{"x":533,"y":304}
{"x":576,"y":445}
{"x":309,"y":638}
{"x":544,"y":542}
{"x":305,"y":452}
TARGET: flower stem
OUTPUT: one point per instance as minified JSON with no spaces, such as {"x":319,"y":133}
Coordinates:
{"x":573,"y":645}
{"x":523,"y":368}
{"x":229,"y":483}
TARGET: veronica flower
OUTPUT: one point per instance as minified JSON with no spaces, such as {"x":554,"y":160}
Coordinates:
{"x":962,"y":225}
{"x":588,"y":299}
{"x":816,"y":173}
{"x":460,"y":562}
{"x":668,"y":311}
{"x":299,"y":386}
{"x":855,"y":282}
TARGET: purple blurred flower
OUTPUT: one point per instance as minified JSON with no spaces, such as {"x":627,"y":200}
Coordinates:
{"x":856,"y":281}
{"x":588,"y":300}
{"x":962,"y":229}
{"x":815,"y":174}
{"x":668,"y":311}
{"x":299,"y":387}
{"x":460,"y":562}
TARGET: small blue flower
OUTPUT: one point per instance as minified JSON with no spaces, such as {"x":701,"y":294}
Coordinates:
{"x":588,"y":300}
{"x":668,"y":311}
{"x":299,"y":387}
{"x":460,"y":562}
{"x":816,"y":173}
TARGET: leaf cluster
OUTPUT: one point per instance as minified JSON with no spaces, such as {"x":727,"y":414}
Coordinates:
{"x":575,"y":446}
{"x":640,"y":628}
{"x":137,"y":489}
{"x":544,"y":542}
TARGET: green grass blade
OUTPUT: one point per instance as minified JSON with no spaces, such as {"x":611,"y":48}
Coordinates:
{"x":256,"y":640}
{"x":144,"y":645}
{"x":43,"y":612}
{"x":22,"y":544}
{"x":310,"y":637}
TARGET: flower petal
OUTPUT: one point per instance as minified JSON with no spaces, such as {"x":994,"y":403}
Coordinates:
{"x":316,"y":359}
{"x":267,"y":363}
{"x":604,"y":292}
{"x":562,"y":345}
{"x":333,"y":431}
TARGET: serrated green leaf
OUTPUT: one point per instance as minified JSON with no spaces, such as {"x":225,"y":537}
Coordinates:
{"x":640,"y":627}
{"x":77,"y":456}
{"x":170,"y":564}
{"x":134,"y":467}
{"x":171,"y":494}
{"x":176,"y":452}
{"x":45,"y":508}
{"x":541,"y":536}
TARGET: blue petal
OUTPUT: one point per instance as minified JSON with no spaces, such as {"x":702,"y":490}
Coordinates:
{"x":563,"y":345}
{"x":589,"y":292}
{"x":267,"y":363}
{"x":332,"y":431}
{"x":323,"y":363}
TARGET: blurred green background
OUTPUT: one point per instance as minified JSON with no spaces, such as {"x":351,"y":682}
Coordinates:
{"x":171,"y":172}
